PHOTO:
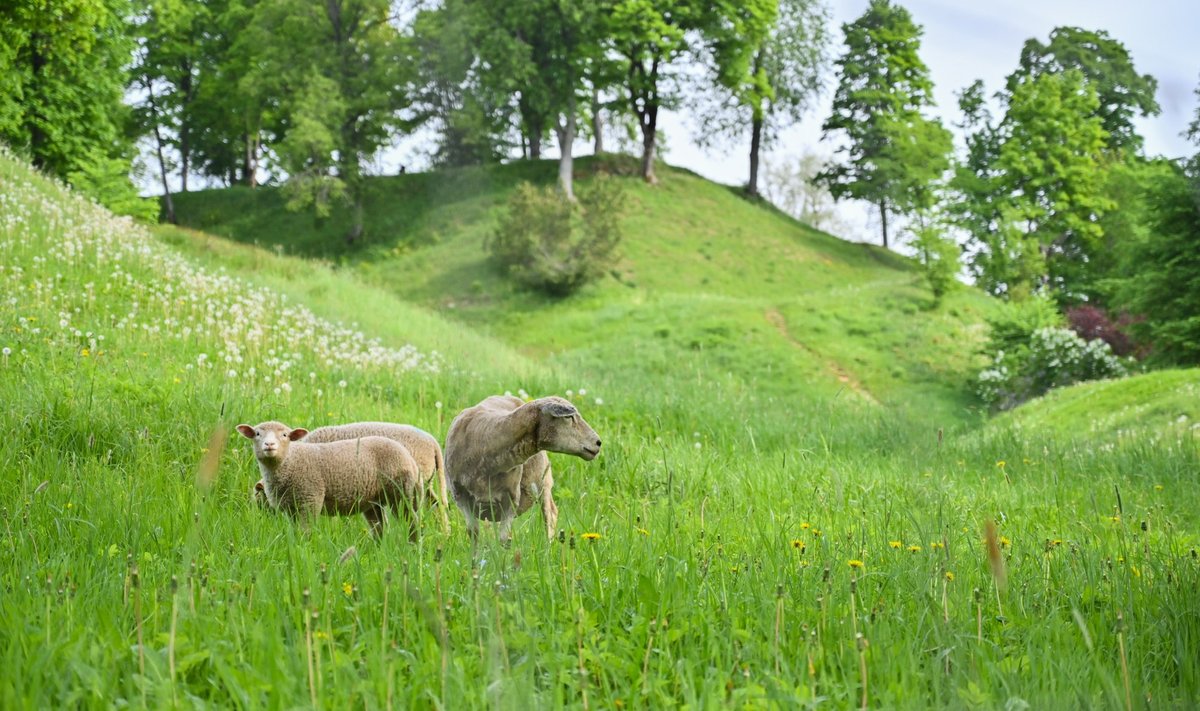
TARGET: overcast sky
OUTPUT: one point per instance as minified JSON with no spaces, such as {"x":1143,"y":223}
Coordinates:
{"x":965,"y":41}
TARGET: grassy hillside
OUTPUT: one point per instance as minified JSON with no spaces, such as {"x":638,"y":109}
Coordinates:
{"x":1163,"y":404}
{"x":709,"y":285}
{"x":750,"y":550}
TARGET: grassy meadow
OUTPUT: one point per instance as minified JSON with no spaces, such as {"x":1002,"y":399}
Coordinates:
{"x":788,"y":512}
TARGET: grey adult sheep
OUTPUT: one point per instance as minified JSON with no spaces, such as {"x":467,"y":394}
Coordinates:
{"x":496,"y":459}
{"x":423,"y":447}
{"x":358,"y":476}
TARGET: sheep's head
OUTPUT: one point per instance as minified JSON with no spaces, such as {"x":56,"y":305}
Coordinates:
{"x":271,"y":440}
{"x":562,"y":429}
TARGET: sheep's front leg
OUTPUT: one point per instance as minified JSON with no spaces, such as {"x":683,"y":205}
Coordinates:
{"x":549,"y":508}
{"x":504,"y":527}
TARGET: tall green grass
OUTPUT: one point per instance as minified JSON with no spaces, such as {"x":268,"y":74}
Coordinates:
{"x":135,"y":571}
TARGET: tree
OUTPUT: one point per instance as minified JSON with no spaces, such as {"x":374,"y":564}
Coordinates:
{"x":768,"y":65}
{"x":650,"y":35}
{"x":553,"y":45}
{"x":1162,"y":272}
{"x":789,"y":185}
{"x":339,"y":68}
{"x":893,"y":154}
{"x":1106,"y":67}
{"x":62,"y":77}
{"x":1032,"y":187}
{"x":937,"y":253}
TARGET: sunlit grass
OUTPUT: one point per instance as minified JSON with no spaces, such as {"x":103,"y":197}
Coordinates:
{"x":727,"y":548}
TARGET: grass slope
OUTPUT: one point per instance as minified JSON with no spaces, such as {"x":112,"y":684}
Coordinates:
{"x":742,"y":548}
{"x":708,"y":283}
{"x":1162,"y":404}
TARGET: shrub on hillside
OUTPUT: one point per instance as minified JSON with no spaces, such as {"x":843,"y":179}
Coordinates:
{"x":551,"y":244}
{"x":1092,"y":322}
{"x":1032,"y":352}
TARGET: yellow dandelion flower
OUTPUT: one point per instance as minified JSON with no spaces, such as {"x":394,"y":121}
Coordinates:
{"x":84,"y":353}
{"x":590,"y":536}
{"x":895,"y":544}
{"x":70,"y":505}
{"x":1158,"y":487}
{"x":797,"y":543}
{"x":805,"y":526}
{"x":1136,"y":573}
{"x":1001,"y":464}
{"x":816,"y":533}
{"x":347,"y":588}
{"x":642,"y":531}
{"x":937,"y":545}
{"x":1115,"y":519}
{"x":1056,"y":542}
{"x":321,"y":634}
{"x":949,"y":576}
{"x":854,"y":563}
{"x":804,"y":564}
{"x":914,"y":549}
{"x":1004,"y":542}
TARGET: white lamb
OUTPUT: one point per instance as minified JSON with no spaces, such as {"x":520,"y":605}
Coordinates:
{"x":336,"y":478}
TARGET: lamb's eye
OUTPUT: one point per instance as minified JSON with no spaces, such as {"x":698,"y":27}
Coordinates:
{"x":284,"y":435}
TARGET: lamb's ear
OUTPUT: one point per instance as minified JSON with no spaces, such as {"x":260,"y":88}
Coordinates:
{"x":258,"y":486}
{"x":246,"y":430}
{"x":558,"y":409}
{"x":297,"y":434}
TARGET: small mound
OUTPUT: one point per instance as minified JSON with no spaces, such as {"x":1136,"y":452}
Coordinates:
{"x":1160,"y":405}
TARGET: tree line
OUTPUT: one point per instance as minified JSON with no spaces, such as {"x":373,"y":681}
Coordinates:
{"x":1049,"y":192}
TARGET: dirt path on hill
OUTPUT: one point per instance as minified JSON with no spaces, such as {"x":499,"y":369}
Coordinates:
{"x":776,"y":319}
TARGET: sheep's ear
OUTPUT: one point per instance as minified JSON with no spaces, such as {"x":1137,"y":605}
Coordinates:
{"x":297,"y":434}
{"x":558,"y":409}
{"x":246,"y":430}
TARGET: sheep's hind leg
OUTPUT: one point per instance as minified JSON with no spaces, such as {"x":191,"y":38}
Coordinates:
{"x":374,"y":516}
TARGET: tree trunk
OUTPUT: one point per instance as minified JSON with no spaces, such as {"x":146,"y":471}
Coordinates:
{"x":755,"y":148}
{"x":37,"y":136}
{"x":356,"y":229}
{"x":250,"y":158}
{"x":597,"y":123}
{"x":566,"y":140}
{"x":168,"y":203}
{"x":648,"y":148}
{"x":185,"y":132}
{"x":883,"y":221}
{"x":535,"y":144}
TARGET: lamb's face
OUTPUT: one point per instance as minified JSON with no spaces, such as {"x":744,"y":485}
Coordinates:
{"x":271,"y":440}
{"x":562,"y":429}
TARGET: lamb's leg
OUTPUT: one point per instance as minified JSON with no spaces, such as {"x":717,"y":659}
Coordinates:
{"x":374,"y":516}
{"x":504,"y":527}
{"x":549,"y":508}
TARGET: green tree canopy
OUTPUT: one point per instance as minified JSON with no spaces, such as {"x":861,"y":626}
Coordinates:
{"x":892,"y":155}
{"x":1106,"y":67}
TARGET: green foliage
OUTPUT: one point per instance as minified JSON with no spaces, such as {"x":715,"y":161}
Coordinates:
{"x":1163,"y":278}
{"x":768,"y":64}
{"x":1106,"y":67}
{"x":1033,"y":187}
{"x":62,"y":77}
{"x":1031,"y":352}
{"x":106,"y":179}
{"x":551,"y":243}
{"x":938,"y":254}
{"x":893,"y":154}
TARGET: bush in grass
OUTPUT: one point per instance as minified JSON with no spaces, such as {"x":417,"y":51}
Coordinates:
{"x":551,"y":244}
{"x":1032,"y":352}
{"x":1092,"y":322}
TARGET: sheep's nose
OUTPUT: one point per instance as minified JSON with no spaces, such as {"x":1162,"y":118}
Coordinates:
{"x":597,"y":443}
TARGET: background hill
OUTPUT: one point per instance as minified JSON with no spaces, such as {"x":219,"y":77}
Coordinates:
{"x":709,"y":285}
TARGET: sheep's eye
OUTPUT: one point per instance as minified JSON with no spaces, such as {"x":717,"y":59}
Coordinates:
{"x":284,"y":435}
